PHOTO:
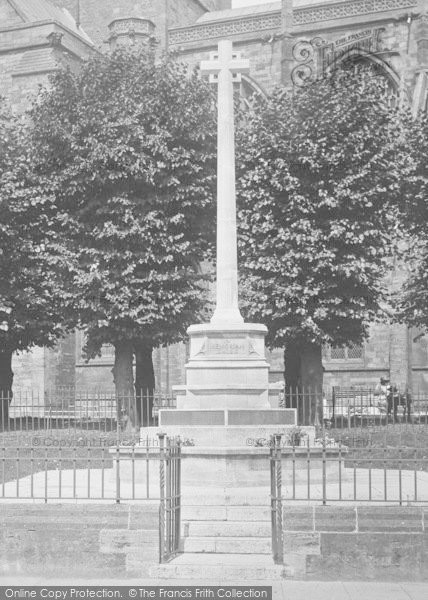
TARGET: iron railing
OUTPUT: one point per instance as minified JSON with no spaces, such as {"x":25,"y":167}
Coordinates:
{"x":80,"y":411}
{"x":334,"y":473}
{"x":356,"y":407}
{"x":84,"y":469}
{"x":276,"y":499}
{"x":170,"y":498}
{"x":338,"y":475}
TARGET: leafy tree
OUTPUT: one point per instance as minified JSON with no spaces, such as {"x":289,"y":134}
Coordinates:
{"x":321,"y":172}
{"x":30,"y":314}
{"x":412,"y":300}
{"x":128,"y":145}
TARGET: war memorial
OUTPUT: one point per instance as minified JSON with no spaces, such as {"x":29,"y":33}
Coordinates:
{"x":218,"y":491}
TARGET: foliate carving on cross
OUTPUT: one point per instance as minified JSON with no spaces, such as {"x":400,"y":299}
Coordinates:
{"x":225,"y":59}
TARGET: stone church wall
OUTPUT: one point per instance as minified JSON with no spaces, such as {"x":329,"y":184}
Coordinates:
{"x":96,"y":16}
{"x":43,"y":370}
{"x":19,"y":89}
{"x":28,"y":55}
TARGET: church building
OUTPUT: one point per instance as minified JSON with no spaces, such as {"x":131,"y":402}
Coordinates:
{"x":287,"y":42}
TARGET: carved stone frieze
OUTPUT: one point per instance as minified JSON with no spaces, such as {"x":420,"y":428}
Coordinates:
{"x":225,"y":28}
{"x":341,"y":10}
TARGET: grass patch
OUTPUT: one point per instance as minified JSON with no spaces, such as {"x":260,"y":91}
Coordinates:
{"x":389,"y":436}
{"x":26,"y":453}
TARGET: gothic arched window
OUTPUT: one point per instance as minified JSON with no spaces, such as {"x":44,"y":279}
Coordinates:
{"x":379,"y":70}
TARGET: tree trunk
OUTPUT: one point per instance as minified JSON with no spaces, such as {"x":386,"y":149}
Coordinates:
{"x":6,"y":380}
{"x":124,"y":383}
{"x":303,"y":376}
{"x":144,"y":383}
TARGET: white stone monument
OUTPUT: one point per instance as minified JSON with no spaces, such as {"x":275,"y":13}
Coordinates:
{"x":224,"y":405}
{"x":227,"y":367}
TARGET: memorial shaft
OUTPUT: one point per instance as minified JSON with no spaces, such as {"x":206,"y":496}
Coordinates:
{"x":227,"y":251}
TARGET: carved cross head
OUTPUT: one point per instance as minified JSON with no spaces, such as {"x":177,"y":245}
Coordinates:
{"x":225,"y":59}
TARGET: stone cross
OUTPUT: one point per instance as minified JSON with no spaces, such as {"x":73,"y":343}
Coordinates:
{"x":225,"y":67}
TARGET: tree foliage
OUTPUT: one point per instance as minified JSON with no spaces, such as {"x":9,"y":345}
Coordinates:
{"x":128,"y":146}
{"x":30,"y":310}
{"x":321,"y":171}
{"x":412,"y":300}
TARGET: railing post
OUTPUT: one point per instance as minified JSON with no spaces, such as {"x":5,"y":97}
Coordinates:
{"x":168,"y":499}
{"x":324,"y":474}
{"x":272,"y":493}
{"x":276,"y":499}
{"x":161,"y":437}
{"x":117,"y":473}
{"x":178,"y":497}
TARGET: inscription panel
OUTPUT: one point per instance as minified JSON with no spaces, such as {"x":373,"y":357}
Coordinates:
{"x":228,"y":346}
{"x":284,"y":416}
{"x":193,"y":418}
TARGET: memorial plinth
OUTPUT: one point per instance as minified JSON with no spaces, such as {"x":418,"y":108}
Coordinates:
{"x":225,"y":402}
{"x":227,"y":368}
{"x":223,"y":414}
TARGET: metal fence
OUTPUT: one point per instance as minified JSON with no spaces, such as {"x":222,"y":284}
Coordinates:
{"x":49,"y":466}
{"x":336,"y":473}
{"x":276,"y":499}
{"x":170,"y":498}
{"x":69,"y":470}
{"x":70,"y":410}
{"x":339,"y":475}
{"x":351,"y":408}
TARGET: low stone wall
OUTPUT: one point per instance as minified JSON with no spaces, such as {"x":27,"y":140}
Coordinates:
{"x":107,"y":540}
{"x":53,"y":541}
{"x":356,"y":543}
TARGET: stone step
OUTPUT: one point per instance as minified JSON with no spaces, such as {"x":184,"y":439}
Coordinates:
{"x":203,"y":513}
{"x":220,"y":496}
{"x":249,"y":513}
{"x":227,"y":545}
{"x":225,"y":513}
{"x":226,"y":529}
{"x":221,"y":568}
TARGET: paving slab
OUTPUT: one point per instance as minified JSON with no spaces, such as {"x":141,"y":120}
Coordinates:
{"x":377,"y":591}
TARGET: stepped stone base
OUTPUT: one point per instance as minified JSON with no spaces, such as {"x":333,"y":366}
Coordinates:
{"x":226,"y":529}
{"x":228,"y":545}
{"x":250,"y":436}
{"x":221,"y":567}
{"x":227,"y":455}
{"x":223,"y":415}
{"x":225,"y":542}
{"x":228,"y":466}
